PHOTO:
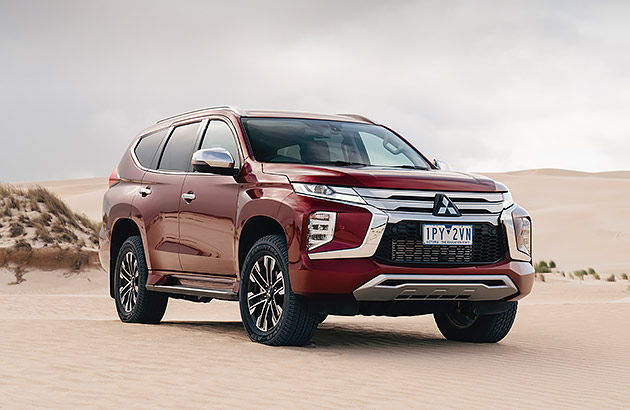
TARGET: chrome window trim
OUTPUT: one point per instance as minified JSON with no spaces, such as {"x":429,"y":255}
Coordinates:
{"x":508,"y":222}
{"x":203,"y":125}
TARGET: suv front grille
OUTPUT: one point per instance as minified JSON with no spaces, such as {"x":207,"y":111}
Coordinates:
{"x":402,"y":243}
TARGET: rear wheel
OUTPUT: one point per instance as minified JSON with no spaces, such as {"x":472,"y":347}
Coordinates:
{"x":134,"y":303}
{"x":465,"y":326}
{"x":272,"y":314}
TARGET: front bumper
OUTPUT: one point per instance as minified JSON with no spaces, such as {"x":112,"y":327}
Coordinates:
{"x":345,"y":276}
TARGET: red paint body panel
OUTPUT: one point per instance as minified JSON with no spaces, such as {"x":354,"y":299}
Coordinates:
{"x":159,"y":211}
{"x":207,"y":225}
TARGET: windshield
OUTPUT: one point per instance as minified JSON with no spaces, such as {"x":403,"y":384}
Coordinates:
{"x":299,"y":141}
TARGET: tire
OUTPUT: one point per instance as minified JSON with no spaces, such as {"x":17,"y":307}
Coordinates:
{"x":272,"y":314}
{"x":134,"y":303}
{"x":464,"y":326}
{"x":321,"y":317}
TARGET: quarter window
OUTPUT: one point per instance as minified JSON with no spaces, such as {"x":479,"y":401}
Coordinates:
{"x":179,"y":148}
{"x":147,"y":148}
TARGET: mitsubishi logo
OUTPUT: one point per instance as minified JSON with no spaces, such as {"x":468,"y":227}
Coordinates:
{"x":442,"y":206}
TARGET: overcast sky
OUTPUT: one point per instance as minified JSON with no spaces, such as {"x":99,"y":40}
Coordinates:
{"x":487,"y":86}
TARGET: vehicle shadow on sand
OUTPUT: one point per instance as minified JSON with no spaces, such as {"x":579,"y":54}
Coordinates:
{"x":351,"y":336}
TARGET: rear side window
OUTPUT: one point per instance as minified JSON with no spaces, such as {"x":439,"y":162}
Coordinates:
{"x":179,"y":148}
{"x":219,"y":134}
{"x":147,"y":148}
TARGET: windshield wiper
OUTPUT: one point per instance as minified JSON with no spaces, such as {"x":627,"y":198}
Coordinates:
{"x":344,"y":163}
{"x":411,"y":167}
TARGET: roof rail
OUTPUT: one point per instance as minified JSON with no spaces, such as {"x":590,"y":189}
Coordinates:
{"x":358,"y":117}
{"x":217,"y":107}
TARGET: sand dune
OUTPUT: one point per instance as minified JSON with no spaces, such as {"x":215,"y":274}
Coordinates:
{"x":82,"y":195}
{"x":579,"y":219}
{"x":62,"y":346}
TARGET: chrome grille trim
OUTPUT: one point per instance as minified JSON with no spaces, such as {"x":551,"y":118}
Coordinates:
{"x":421,"y":202}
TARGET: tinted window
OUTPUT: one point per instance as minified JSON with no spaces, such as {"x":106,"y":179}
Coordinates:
{"x":179,"y":148}
{"x":219,"y":134}
{"x":147,"y":148}
{"x":329,"y":142}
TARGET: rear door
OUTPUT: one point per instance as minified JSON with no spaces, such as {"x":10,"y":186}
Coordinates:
{"x":160,"y":194}
{"x":207,"y":222}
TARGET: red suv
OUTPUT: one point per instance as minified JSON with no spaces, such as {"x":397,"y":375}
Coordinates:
{"x":298,"y":215}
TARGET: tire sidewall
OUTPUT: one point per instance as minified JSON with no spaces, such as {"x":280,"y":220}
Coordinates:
{"x":142,"y":279}
{"x":261,"y":248}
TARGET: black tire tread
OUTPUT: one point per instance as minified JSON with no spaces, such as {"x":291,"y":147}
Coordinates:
{"x":298,"y":324}
{"x":486,"y":329}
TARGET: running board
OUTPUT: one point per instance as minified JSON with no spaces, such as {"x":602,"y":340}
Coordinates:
{"x":181,"y":290}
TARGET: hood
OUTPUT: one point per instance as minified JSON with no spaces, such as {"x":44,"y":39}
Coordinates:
{"x":392,"y":178}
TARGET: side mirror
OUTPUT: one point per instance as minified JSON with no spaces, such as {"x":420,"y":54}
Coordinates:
{"x":443,"y":165}
{"x":214,"y":161}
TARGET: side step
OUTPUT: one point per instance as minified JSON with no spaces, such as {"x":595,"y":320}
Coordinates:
{"x":181,"y":290}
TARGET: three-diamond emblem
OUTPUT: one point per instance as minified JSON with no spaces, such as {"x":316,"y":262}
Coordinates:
{"x":443,"y":206}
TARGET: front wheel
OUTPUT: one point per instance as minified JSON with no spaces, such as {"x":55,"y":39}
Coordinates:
{"x":272,"y":314}
{"x":465,"y":326}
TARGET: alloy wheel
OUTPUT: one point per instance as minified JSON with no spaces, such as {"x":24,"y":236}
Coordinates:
{"x":265,"y":293}
{"x":129,"y":276}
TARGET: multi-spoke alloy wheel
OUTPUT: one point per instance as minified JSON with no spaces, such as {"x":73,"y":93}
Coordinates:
{"x":134,"y":303}
{"x":129,"y":274}
{"x":272,"y":314}
{"x":265,"y":294}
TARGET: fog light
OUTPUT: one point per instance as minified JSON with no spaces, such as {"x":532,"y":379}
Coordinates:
{"x":321,"y":228}
{"x":523,"y":230}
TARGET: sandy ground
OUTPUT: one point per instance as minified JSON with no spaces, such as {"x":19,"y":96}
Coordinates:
{"x":62,"y":346}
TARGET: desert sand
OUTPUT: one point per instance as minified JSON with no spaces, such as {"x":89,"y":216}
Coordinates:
{"x":62,"y":346}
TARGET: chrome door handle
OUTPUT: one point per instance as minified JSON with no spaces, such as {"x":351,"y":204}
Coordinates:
{"x":145,"y":191}
{"x":189,"y":197}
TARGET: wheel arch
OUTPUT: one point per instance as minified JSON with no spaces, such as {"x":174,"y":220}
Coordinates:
{"x":255,"y":228}
{"x":123,"y":228}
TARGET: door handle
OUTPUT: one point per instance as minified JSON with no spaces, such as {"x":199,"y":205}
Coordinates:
{"x":145,"y":191}
{"x":189,"y":196}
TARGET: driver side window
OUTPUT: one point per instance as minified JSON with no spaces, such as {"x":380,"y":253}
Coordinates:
{"x":219,"y":134}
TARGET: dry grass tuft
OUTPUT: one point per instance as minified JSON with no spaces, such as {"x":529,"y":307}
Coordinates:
{"x":47,"y":234}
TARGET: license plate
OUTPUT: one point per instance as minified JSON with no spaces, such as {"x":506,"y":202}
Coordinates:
{"x":447,"y":234}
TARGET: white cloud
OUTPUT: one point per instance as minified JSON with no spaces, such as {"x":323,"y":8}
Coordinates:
{"x":488,"y":86}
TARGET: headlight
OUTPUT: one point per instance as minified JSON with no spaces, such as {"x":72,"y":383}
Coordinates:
{"x":507,"y":200}
{"x":523,"y":231}
{"x":334,"y":193}
{"x":321,"y":228}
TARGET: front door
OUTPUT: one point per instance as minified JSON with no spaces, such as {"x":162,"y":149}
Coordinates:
{"x":208,"y":211}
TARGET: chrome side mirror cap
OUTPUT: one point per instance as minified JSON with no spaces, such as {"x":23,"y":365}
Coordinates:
{"x":443,"y":165}
{"x":214,"y":160}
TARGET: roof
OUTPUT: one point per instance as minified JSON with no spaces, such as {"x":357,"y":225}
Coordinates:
{"x":266,"y":113}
